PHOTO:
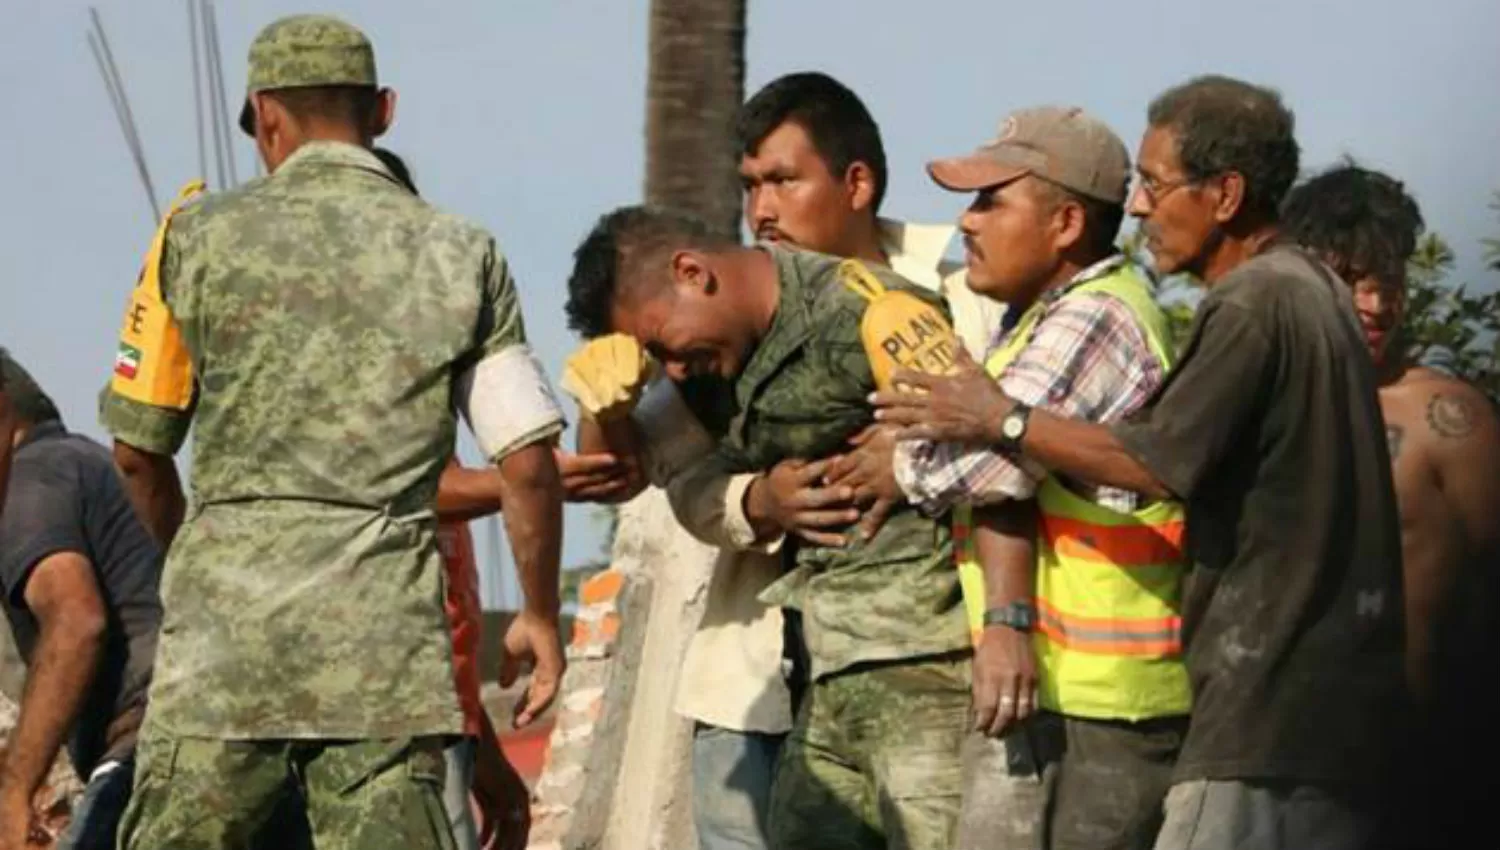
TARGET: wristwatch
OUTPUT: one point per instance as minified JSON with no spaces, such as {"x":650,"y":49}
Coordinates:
{"x":1013,"y":428}
{"x":1019,"y":615}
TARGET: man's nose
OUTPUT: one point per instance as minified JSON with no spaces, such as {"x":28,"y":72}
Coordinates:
{"x":762,"y":207}
{"x":1138,"y":205}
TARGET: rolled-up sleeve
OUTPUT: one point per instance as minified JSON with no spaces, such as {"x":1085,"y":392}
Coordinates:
{"x":505,"y":395}
{"x":159,"y":430}
{"x":707,"y":498}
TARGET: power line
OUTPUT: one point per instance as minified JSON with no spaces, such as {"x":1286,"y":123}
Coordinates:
{"x":221,"y":171}
{"x":216,"y":77}
{"x":114,"y":85}
{"x":192,"y":8}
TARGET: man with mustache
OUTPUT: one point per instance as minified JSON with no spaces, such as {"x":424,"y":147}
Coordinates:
{"x":1444,"y":439}
{"x":1084,"y":337}
{"x":1269,"y":430}
{"x":814,"y":171}
{"x":873,"y":758}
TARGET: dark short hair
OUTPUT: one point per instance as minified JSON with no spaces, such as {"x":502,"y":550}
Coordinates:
{"x":397,"y":167}
{"x":28,"y":400}
{"x":353,"y":105}
{"x":834,"y":118}
{"x":1222,"y":125}
{"x":610,"y":259}
{"x":1361,"y":222}
{"x":1101,"y":219}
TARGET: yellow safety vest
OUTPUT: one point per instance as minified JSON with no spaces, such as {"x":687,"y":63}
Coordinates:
{"x":1108,"y":584}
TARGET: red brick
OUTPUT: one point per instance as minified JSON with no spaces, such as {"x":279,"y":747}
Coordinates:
{"x":603,"y":587}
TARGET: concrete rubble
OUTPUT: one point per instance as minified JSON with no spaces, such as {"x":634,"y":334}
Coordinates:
{"x":618,"y":770}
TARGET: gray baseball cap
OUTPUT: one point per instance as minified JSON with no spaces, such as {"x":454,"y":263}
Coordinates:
{"x":1061,"y":144}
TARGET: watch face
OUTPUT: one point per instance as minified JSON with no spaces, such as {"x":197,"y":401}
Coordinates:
{"x":1011,"y":427}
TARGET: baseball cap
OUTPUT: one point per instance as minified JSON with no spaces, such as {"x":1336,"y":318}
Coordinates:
{"x":1061,"y":144}
{"x":301,"y":51}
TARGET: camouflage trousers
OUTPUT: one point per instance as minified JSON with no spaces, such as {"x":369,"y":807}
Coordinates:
{"x":209,"y":794}
{"x":873,"y":760}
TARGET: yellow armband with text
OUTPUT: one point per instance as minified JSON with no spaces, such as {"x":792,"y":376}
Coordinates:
{"x":899,"y":330}
{"x":152,"y":365}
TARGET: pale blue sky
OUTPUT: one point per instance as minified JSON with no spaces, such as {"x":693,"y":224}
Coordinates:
{"x":527,"y":117}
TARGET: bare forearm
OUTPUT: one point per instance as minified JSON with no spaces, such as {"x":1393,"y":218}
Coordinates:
{"x":1005,"y":544}
{"x":758,"y":512}
{"x":532,"y":493}
{"x":590,"y":437}
{"x":61,"y":670}
{"x":465,"y":494}
{"x":1088,"y":452}
{"x":155,"y":490}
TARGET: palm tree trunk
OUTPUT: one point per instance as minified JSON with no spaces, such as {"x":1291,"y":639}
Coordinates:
{"x":696,"y":82}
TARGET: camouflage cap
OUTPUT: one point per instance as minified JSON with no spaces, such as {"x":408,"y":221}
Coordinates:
{"x":300,"y":51}
{"x":1060,"y":144}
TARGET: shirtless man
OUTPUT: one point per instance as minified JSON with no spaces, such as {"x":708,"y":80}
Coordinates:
{"x":1444,"y":438}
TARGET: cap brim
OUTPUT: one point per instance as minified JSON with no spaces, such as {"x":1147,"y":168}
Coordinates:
{"x":247,"y":118}
{"x":972,"y":173}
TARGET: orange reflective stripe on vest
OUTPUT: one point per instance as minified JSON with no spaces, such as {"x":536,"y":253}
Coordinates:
{"x":1108,"y":583}
{"x":1110,"y":635}
{"x":1122,"y":546}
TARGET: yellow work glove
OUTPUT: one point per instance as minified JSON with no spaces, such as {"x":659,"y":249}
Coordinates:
{"x":606,"y":376}
{"x":899,"y":330}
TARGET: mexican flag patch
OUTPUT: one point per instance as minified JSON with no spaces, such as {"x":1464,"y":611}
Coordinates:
{"x":127,"y":361}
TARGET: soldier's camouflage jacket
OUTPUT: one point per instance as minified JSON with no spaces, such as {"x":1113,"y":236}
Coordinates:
{"x":803,"y":394}
{"x":326,"y":311}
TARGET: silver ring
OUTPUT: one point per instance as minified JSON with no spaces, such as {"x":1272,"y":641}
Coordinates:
{"x":1007,"y":701}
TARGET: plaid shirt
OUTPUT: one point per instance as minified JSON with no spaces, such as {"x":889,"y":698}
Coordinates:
{"x":1087,"y":359}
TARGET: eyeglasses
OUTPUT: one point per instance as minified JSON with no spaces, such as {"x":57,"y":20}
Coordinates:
{"x":1155,"y":190}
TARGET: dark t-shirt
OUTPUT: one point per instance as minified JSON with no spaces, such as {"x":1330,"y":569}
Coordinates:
{"x":1270,"y":431}
{"x":66,"y":497}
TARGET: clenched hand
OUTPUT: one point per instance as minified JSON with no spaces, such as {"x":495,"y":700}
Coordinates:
{"x":965,"y":406}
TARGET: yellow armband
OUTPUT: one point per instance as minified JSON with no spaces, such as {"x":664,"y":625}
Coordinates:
{"x":899,"y":330}
{"x":152,"y":365}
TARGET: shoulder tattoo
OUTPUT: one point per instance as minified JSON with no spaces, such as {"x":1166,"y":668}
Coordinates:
{"x":1393,"y":436}
{"x":1451,"y":415}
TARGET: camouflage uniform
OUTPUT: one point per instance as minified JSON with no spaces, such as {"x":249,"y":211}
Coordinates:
{"x":873,"y":760}
{"x":327,"y":312}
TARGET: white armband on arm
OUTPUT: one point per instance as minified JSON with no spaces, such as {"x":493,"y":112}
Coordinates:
{"x":508,"y":402}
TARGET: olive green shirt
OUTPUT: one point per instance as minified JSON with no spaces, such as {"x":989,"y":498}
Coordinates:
{"x":803,"y":394}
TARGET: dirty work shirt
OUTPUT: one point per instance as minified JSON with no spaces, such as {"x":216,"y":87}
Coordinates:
{"x":66,"y":497}
{"x":329,"y":314}
{"x":803,"y":393}
{"x":1270,"y":431}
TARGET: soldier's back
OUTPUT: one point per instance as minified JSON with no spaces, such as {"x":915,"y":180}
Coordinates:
{"x":326,"y":308}
{"x":328,"y":312}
